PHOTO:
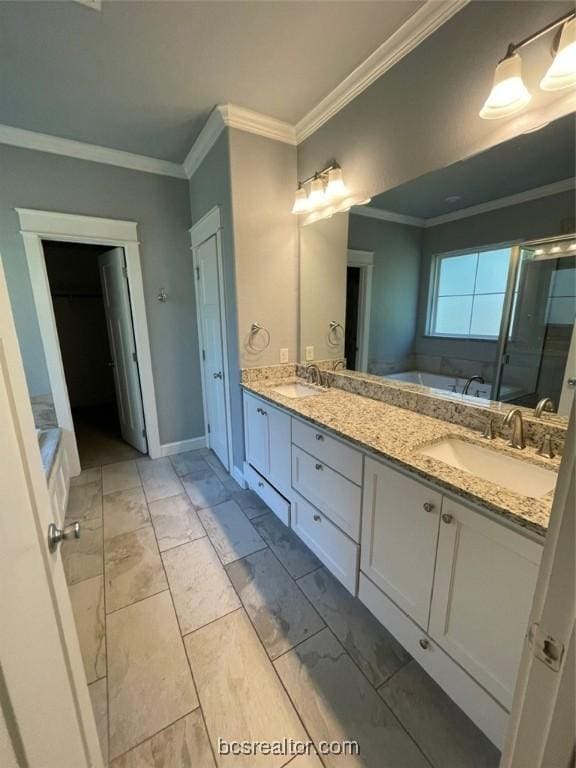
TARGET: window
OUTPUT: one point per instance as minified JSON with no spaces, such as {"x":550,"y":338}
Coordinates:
{"x":468,"y":292}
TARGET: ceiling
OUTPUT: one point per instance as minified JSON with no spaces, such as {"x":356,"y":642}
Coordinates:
{"x":526,"y":162}
{"x":143,"y":76}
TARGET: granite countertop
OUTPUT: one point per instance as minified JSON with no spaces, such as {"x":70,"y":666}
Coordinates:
{"x":397,"y":434}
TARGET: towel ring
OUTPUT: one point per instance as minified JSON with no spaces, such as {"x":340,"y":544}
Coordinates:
{"x":255,"y":329}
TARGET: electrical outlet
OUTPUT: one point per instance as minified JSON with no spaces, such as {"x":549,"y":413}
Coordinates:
{"x":309,"y":353}
{"x":284,"y":355}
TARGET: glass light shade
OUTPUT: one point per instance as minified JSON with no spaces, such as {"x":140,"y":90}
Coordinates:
{"x":562,"y":71}
{"x":336,"y":186}
{"x":509,"y":94}
{"x":300,"y":201}
{"x":316,"y":197}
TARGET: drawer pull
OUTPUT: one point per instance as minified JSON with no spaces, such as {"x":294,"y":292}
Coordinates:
{"x":260,"y":484}
{"x":447,"y":518}
{"x":424,"y":643}
{"x":319,"y":436}
{"x":317,"y":518}
{"x":428,"y":506}
{"x":258,"y":410}
{"x":318,"y":467}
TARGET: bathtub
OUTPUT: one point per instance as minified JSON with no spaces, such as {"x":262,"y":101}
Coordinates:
{"x":450,"y":383}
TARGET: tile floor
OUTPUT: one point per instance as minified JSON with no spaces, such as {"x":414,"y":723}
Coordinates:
{"x":201,"y":616}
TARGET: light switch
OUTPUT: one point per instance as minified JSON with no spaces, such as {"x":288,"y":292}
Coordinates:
{"x":309,"y":353}
{"x":284,"y":355}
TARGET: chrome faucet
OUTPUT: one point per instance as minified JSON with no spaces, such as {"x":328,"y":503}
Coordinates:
{"x":546,"y":404}
{"x":517,"y":436}
{"x":310,"y":369}
{"x":469,"y":381}
{"x":339,"y":364}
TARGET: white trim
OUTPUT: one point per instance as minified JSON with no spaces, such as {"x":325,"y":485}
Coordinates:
{"x":43,"y":142}
{"x":365,"y":261}
{"x":238,"y":475}
{"x":414,"y":31}
{"x":182,"y":446}
{"x":208,"y":226}
{"x":39,"y":225}
{"x":504,"y":202}
{"x":204,"y":142}
{"x":396,"y":218}
{"x":255,"y":122}
{"x":96,"y":5}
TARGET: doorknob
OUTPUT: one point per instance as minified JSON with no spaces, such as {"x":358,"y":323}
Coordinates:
{"x":217,"y":375}
{"x":111,"y":364}
{"x":55,"y":535}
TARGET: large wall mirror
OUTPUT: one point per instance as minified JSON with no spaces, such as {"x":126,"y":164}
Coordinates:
{"x":463,"y":280}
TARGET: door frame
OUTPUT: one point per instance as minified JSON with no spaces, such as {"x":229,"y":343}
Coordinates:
{"x":206,"y":227}
{"x":35,"y":226}
{"x":364,"y":260}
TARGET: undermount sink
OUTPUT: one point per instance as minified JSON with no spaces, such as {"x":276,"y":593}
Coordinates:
{"x":295,"y":389}
{"x":516,"y":475}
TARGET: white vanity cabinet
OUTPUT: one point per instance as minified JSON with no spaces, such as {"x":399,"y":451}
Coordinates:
{"x":483,"y":588}
{"x":400,"y":521}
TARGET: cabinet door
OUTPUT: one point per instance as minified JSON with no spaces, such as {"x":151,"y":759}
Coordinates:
{"x":279,"y":455}
{"x":256,"y":430}
{"x":400,"y":520}
{"x":483,"y":590}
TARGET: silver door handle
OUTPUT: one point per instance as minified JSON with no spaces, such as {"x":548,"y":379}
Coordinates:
{"x":56,"y":535}
{"x":571,"y":382}
{"x":111,"y":364}
{"x":217,"y":375}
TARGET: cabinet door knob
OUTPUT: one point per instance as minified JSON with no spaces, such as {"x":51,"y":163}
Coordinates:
{"x":260,"y":484}
{"x":428,"y":506}
{"x":258,"y":410}
{"x":424,"y":643}
{"x":317,"y":518}
{"x":318,"y":466}
{"x":447,"y":518}
{"x":319,"y":436}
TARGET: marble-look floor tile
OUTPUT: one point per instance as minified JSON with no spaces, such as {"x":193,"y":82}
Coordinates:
{"x":175,"y":521}
{"x":87,"y":476}
{"x":371,"y":646}
{"x":124,"y":511}
{"x":83,"y":558}
{"x":87,"y":598}
{"x":337,"y":703}
{"x":200,"y":587}
{"x":184,"y":744}
{"x":251,"y":504}
{"x":288,"y":548}
{"x":216,"y":465}
{"x":445,"y":734}
{"x":240,"y":693}
{"x":120,"y":476}
{"x":190,"y":461}
{"x":132,"y":568}
{"x":84,"y":503}
{"x":231,"y":533}
{"x":281,"y":615}
{"x":99,"y":697}
{"x":149,"y":680}
{"x":204,"y":488}
{"x":158,"y":478}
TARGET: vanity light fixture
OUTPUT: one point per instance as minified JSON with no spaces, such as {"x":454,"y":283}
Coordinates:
{"x":327,"y":195}
{"x":509,"y":94}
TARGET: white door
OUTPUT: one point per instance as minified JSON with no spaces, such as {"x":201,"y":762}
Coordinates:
{"x":483,"y":590}
{"x":210,"y":315}
{"x":123,"y":347}
{"x":400,"y":519}
{"x":45,"y":704}
{"x":569,"y":382}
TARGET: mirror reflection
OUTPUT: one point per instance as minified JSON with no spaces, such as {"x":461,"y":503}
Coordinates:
{"x":464,"y":280}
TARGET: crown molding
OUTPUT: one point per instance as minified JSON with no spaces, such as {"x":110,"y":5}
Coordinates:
{"x":204,"y":142}
{"x":396,"y":218}
{"x":504,"y":202}
{"x":255,"y":122}
{"x":432,"y":15}
{"x":43,"y":142}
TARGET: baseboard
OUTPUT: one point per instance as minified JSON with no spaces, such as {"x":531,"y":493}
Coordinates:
{"x":169,"y":449}
{"x":238,"y":475}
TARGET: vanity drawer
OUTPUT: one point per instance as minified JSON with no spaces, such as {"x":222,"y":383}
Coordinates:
{"x":332,"y":494}
{"x":337,"y":455}
{"x":269,"y":495}
{"x":338,"y":553}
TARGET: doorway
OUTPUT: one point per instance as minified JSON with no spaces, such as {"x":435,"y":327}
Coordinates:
{"x":91,"y":303}
{"x":358,"y":306}
{"x":352,"y":306}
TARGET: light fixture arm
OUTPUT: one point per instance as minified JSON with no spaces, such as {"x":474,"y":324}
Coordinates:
{"x":318,"y":174}
{"x":513,"y":47}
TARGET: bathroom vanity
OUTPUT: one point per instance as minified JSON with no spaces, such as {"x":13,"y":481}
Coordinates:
{"x":445,"y":560}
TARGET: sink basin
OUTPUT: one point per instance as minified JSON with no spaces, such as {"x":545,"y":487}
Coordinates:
{"x":514,"y":474}
{"x":295,"y":389}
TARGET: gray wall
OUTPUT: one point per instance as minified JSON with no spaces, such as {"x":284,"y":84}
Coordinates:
{"x":423,"y":113}
{"x":395,"y":288}
{"x":160,"y":205}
